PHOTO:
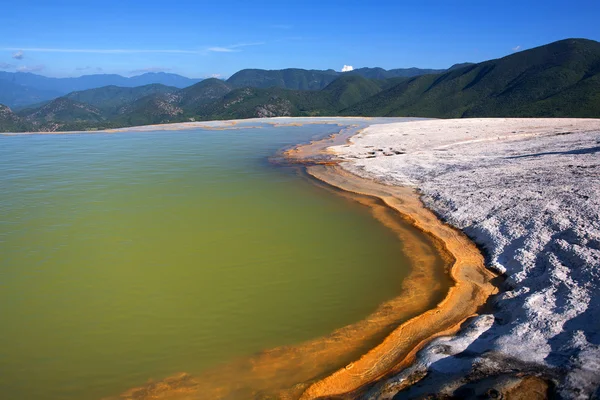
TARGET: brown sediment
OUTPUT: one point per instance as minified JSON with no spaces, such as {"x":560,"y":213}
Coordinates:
{"x":472,"y":280}
{"x":471,"y":289}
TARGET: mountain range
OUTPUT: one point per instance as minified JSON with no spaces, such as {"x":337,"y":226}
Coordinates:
{"x":18,"y":89}
{"x":561,"y":79}
{"x":21,"y":89}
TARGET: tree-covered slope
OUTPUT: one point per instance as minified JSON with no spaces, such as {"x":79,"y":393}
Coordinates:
{"x":380,"y":73}
{"x":203,"y":92}
{"x":291,"y":78}
{"x":272,"y":102}
{"x":111,"y":98}
{"x":351,"y":89}
{"x":558,"y":79}
{"x":302,"y":79}
{"x":10,"y":122}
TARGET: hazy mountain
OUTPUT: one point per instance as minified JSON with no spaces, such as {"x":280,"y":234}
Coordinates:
{"x":21,"y":89}
{"x":15,"y":95}
{"x":32,"y":88}
{"x":162,"y":78}
{"x":561,"y":79}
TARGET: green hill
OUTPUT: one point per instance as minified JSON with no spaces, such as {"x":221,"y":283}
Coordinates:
{"x":302,"y":79}
{"x":380,"y":73}
{"x":110,"y":98}
{"x":153,"y":109}
{"x":10,"y":122}
{"x":351,"y":89}
{"x":203,"y":92}
{"x":291,"y":78}
{"x":62,"y":114}
{"x":560,"y":79}
{"x":273,"y":102}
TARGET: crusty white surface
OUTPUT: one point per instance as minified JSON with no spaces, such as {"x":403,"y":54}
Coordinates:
{"x":527,"y":191}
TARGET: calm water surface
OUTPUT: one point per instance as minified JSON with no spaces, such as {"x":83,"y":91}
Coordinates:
{"x":136,"y":255}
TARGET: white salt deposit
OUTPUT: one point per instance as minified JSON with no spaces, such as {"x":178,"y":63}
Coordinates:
{"x":528,"y":192}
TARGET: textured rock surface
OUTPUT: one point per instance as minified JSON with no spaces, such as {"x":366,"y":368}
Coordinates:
{"x":527,"y":191}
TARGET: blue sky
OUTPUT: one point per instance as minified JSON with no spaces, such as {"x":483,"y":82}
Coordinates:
{"x":201,"y":39}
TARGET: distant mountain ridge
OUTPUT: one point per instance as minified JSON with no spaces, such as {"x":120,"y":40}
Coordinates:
{"x":313,"y":79}
{"x":28,"y":88}
{"x":561,"y":79}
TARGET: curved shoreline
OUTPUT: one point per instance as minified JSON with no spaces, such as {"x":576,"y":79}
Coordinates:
{"x":472,"y":280}
{"x":471,"y":290}
{"x":287,"y":371}
{"x":425,"y":287}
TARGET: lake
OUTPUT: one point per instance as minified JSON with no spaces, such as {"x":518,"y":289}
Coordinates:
{"x":135,"y":255}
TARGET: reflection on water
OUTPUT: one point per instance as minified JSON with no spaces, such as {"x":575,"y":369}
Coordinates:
{"x":136,"y":255}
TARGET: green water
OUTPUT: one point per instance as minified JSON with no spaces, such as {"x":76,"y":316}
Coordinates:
{"x":136,"y":255}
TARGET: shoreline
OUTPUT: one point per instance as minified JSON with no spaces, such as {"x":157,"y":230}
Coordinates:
{"x":471,"y":290}
{"x":426,"y":285}
{"x":472,"y":281}
{"x":218,"y":125}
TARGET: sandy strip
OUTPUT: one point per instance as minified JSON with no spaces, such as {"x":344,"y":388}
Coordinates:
{"x":219,"y":125}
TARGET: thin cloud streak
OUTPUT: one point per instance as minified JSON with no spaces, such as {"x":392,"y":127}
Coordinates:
{"x":221,"y":49}
{"x":33,"y":68}
{"x":102,"y":51}
{"x":233,"y":48}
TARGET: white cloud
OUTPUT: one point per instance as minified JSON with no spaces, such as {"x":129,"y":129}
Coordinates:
{"x":217,"y":76}
{"x":18,"y":55}
{"x":347,"y":68}
{"x":4,"y":65}
{"x":516,"y":48}
{"x":32,"y":68}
